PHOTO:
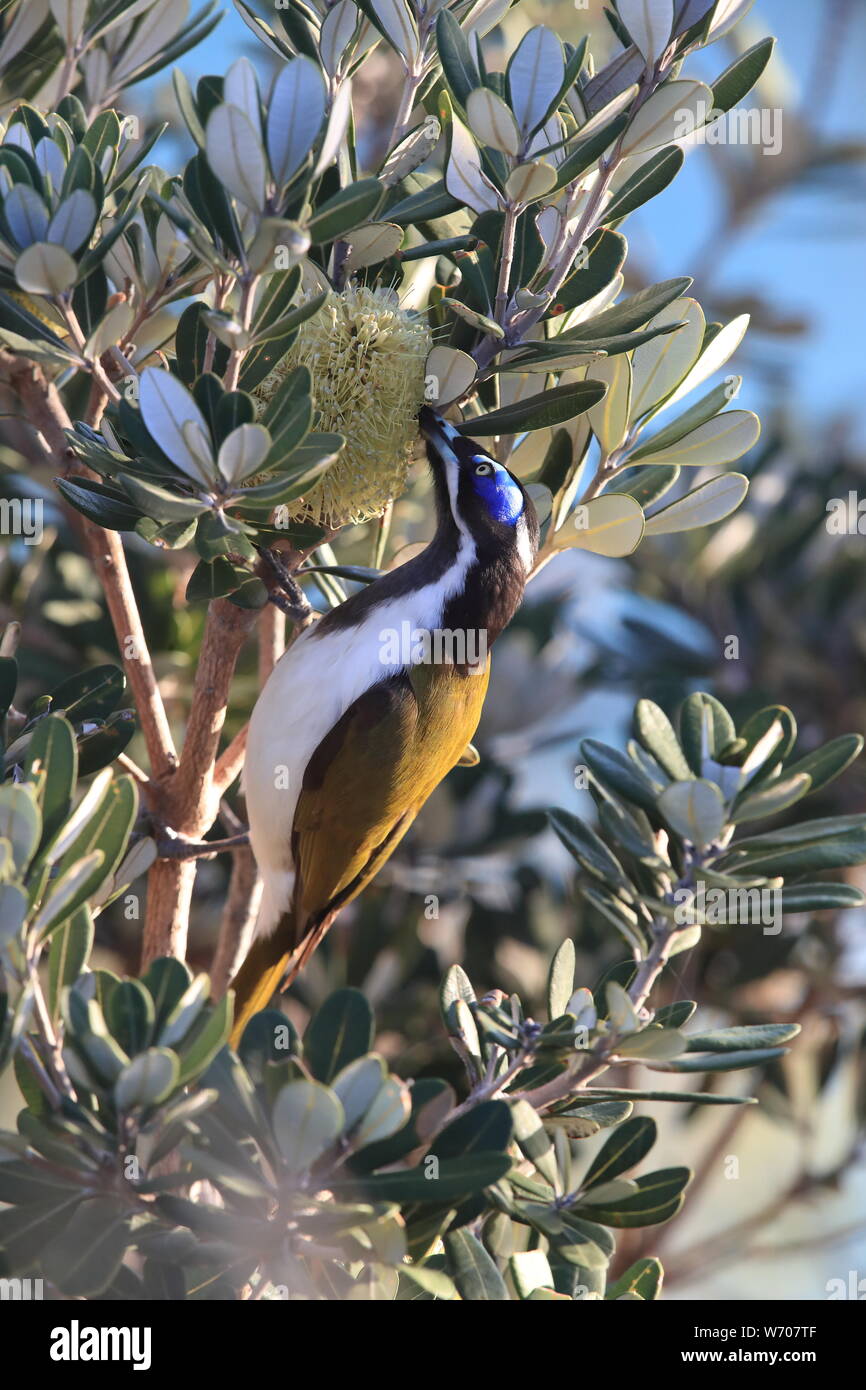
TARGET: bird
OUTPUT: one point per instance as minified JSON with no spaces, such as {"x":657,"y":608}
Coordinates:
{"x":353,"y":729}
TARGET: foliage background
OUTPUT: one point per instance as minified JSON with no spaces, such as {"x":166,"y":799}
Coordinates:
{"x":782,"y":238}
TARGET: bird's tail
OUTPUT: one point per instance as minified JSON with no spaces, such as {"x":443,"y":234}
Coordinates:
{"x":270,"y":967}
{"x":258,"y":979}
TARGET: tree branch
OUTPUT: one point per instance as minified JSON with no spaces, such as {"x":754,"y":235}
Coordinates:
{"x":47,"y":414}
{"x":245,"y":885}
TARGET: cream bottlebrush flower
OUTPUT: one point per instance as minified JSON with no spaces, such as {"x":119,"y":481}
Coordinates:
{"x":366,"y":359}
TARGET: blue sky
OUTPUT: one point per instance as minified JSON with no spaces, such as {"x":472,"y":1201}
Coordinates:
{"x":805,"y":253}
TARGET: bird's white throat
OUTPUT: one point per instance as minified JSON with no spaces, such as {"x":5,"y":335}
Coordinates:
{"x":310,"y":689}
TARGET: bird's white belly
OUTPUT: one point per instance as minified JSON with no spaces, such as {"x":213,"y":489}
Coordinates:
{"x":310,"y":688}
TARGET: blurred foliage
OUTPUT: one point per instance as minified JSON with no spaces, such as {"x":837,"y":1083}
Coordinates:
{"x":325,"y":1175}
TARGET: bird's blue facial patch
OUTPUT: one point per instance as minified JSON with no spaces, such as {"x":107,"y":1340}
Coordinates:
{"x":496,"y":489}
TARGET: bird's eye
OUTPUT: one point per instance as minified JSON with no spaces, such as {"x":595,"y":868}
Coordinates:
{"x":484,"y":469}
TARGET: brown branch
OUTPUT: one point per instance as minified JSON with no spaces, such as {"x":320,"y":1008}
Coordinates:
{"x":226,"y":630}
{"x":238,"y":921}
{"x":109,"y":561}
{"x":177,"y":847}
{"x":230,"y":761}
{"x":245,"y":886}
{"x":46,"y":412}
{"x":191,"y":800}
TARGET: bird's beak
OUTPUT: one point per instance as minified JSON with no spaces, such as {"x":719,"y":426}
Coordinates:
{"x":438,"y":435}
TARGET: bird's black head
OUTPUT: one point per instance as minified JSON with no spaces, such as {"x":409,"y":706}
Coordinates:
{"x":477,"y":493}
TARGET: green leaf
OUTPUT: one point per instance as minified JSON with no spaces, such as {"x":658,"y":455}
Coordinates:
{"x":764,"y":741}
{"x":700,"y":713}
{"x":560,"y":981}
{"x":681,"y":1097}
{"x":99,"y":503}
{"x":487,"y":1126}
{"x":52,"y":749}
{"x":582,"y":1121}
{"x":341,"y":1031}
{"x":85,"y":1257}
{"x":729,"y":1061}
{"x":718,"y":441}
{"x":629,"y":314}
{"x":348,"y":208}
{"x":45,"y":269}
{"x":290,"y":320}
{"x":130,"y":1015}
{"x":709,"y":503}
{"x":585,"y":846}
{"x":623,"y":1150}
{"x":675,"y":1015}
{"x":307,"y":1119}
{"x":827,"y":762}
{"x":69,"y":953}
{"x":821,"y":897}
{"x":26,"y":1230}
{"x":587,"y":151}
{"x":148,"y":1079}
{"x":655,"y":732}
{"x":644,"y":1278}
{"x":453,"y":1180}
{"x":90,"y":694}
{"x":658,"y":1044}
{"x":167,"y":979}
{"x":458,"y":65}
{"x":433,"y":1281}
{"x":741,"y":1038}
{"x":775,"y":797}
{"x":20,"y":822}
{"x":658,"y":1198}
{"x":387,"y":1115}
{"x":612,"y":525}
{"x":534,"y":77}
{"x":159,"y":502}
{"x":826,"y":828}
{"x":455,"y":985}
{"x":206,"y":1037}
{"x":703,"y":410}
{"x":178,"y":1022}
{"x":69,"y":891}
{"x":357,"y":1086}
{"x":650,"y":179}
{"x":474,"y":1272}
{"x":426,"y":205}
{"x":738,"y":80}
{"x":806,"y":856}
{"x":100,"y":746}
{"x":105,"y":829}
{"x":268,"y":1037}
{"x":13,"y":911}
{"x":8,"y":682}
{"x":211,"y":579}
{"x":236,"y":156}
{"x":191,"y":340}
{"x":534,"y":1141}
{"x":694,"y":809}
{"x":539,"y":412}
{"x":613,"y":769}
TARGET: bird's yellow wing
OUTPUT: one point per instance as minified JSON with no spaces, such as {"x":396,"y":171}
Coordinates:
{"x":362,"y":788}
{"x":371,"y":775}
